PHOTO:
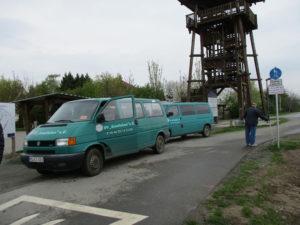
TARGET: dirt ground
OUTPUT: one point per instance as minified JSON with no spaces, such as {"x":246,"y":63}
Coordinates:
{"x":281,"y":182}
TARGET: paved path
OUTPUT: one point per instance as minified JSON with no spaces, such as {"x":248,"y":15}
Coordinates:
{"x":142,"y":189}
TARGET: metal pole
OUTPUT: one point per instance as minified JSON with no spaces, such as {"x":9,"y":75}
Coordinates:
{"x":268,"y":107}
{"x":277,"y":118}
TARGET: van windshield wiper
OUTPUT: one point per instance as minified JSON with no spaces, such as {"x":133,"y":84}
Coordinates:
{"x":64,"y":121}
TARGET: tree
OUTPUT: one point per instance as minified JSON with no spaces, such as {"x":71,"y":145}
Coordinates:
{"x":155,"y":79}
{"x":11,"y":89}
{"x":176,"y":90}
{"x":48,"y":86}
{"x":69,"y":82}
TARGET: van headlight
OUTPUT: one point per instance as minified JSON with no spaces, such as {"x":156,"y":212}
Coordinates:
{"x":66,"y":141}
{"x":25,"y":144}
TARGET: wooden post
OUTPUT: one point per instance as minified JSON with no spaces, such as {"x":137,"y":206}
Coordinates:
{"x":191,"y":67}
{"x":46,"y":108}
{"x":202,"y":67}
{"x":247,"y":78}
{"x":190,"y":77}
{"x":13,"y":145}
{"x":26,"y":121}
{"x":258,"y":72}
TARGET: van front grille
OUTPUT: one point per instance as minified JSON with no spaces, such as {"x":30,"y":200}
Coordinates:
{"x":41,"y":143}
{"x":41,"y":152}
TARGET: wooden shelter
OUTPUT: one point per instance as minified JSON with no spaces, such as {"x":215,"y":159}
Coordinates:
{"x":50,"y":103}
{"x":223,"y":26}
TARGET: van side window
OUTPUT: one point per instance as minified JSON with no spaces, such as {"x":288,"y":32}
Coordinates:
{"x":202,"y":109}
{"x":187,"y":110}
{"x":153,"y":109}
{"x":174,"y":110}
{"x":139,"y":110}
{"x":125,"y":108}
{"x":110,"y":112}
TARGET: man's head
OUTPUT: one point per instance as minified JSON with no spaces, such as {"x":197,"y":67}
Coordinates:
{"x":254,"y":104}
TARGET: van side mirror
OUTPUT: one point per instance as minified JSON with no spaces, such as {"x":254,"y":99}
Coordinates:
{"x":170,"y":114}
{"x":100,"y":118}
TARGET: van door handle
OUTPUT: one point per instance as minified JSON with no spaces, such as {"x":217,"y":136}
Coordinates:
{"x":136,"y":122}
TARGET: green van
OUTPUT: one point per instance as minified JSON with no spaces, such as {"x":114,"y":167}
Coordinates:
{"x":189,"y":117}
{"x":84,"y":133}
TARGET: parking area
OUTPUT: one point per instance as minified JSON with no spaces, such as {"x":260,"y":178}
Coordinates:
{"x":149,"y":189}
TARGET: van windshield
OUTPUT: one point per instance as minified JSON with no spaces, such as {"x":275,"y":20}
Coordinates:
{"x":74,"y":112}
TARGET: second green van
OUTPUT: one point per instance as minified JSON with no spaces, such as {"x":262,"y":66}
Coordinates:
{"x":189,"y":117}
{"x":84,"y":133}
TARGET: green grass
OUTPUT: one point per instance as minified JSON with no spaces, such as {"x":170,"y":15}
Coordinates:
{"x":240,"y":128}
{"x":270,"y":217}
{"x":225,"y":196}
{"x":247,"y":211}
{"x":191,"y":222}
{"x":285,"y":145}
{"x":232,"y":192}
{"x":20,"y":129}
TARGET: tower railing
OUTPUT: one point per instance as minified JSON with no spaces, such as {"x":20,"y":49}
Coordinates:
{"x":221,"y":12}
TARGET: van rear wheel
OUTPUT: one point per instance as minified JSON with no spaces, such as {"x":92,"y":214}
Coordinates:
{"x":159,"y":146}
{"x":93,"y":163}
{"x":206,"y":131}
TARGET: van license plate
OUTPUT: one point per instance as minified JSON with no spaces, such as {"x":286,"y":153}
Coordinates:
{"x":36,"y":159}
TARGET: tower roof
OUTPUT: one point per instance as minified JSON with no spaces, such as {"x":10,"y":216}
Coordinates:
{"x":203,"y":4}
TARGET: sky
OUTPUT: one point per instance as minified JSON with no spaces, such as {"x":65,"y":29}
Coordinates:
{"x":38,"y":38}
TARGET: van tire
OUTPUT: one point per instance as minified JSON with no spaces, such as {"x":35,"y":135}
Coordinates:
{"x":93,"y":163}
{"x":159,"y":146}
{"x":206,"y":131}
{"x":44,"y":172}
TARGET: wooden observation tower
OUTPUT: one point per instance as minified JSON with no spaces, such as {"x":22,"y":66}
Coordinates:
{"x":223,"y":26}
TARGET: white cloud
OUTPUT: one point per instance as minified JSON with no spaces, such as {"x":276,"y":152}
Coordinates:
{"x":56,"y":36}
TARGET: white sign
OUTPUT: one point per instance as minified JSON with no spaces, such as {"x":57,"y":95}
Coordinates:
{"x":213,"y":103}
{"x":276,"y":87}
{"x":276,"y":82}
{"x":8,"y":118}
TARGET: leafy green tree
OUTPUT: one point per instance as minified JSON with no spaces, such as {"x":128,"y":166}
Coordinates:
{"x":69,"y":82}
{"x":155,"y":80}
{"x":48,"y":86}
{"x":11,"y":89}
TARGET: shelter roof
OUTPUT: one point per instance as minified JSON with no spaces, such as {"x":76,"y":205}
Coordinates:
{"x":61,"y":96}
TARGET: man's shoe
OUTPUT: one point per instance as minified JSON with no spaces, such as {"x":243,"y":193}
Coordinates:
{"x":254,"y":145}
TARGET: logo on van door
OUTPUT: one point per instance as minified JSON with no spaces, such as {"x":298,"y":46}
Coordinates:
{"x":174,"y":121}
{"x":99,"y":127}
{"x":115,"y":129}
{"x":118,"y":125}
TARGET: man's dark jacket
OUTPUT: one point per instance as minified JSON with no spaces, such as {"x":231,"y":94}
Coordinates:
{"x":251,"y":116}
{"x":1,"y":142}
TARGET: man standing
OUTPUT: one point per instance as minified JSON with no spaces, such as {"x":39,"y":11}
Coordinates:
{"x":1,"y":143}
{"x":251,"y":120}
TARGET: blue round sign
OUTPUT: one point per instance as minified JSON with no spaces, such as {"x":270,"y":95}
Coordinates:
{"x":275,"y":73}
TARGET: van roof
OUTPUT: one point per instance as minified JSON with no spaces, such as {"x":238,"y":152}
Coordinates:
{"x":106,"y":99}
{"x":185,"y":103}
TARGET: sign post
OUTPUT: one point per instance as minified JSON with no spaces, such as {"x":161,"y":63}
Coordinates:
{"x":276,"y":88}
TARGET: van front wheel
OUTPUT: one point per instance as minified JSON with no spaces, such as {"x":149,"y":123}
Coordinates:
{"x":44,"y":172}
{"x":93,"y":163}
{"x":206,"y":131}
{"x":159,"y":146}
